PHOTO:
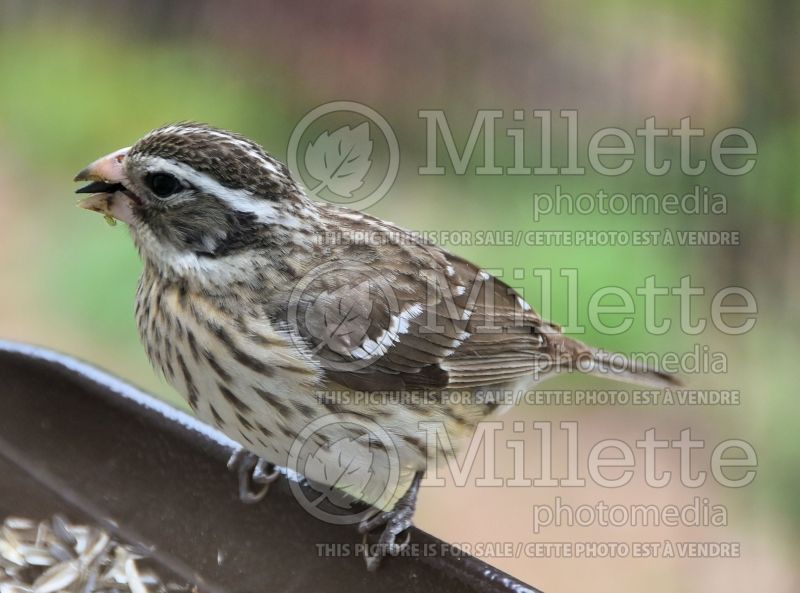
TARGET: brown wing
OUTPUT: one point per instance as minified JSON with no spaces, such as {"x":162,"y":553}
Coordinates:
{"x":408,"y":315}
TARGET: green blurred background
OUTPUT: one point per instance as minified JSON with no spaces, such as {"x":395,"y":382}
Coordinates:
{"x":81,"y":78}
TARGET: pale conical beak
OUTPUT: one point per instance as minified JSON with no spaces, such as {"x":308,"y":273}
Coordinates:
{"x":109,"y":195}
{"x":109,"y":168}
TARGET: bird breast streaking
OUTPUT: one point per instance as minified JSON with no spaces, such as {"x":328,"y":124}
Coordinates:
{"x":266,"y":326}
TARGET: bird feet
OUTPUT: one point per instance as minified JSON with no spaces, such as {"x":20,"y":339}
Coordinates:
{"x":255,"y":475}
{"x":391,"y":524}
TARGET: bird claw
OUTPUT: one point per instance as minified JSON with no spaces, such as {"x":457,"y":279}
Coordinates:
{"x":252,"y":471}
{"x":394,"y":523}
{"x":387,"y":544}
{"x":265,"y":473}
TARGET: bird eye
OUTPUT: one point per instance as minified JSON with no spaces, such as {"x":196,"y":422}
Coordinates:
{"x":163,"y":184}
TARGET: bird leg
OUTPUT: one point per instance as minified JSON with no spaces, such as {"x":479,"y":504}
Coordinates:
{"x":255,"y":475}
{"x":393,"y":523}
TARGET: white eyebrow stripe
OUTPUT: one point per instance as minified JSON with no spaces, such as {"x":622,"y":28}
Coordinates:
{"x":238,"y":199}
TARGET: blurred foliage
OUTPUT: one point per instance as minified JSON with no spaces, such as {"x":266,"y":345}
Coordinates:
{"x":79,"y":79}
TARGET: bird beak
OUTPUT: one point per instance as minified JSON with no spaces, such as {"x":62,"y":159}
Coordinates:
{"x":109,"y":194}
{"x":109,"y":168}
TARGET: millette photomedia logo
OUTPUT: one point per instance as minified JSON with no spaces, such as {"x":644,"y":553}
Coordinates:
{"x":345,"y":153}
{"x":344,"y":461}
{"x":347,"y":315}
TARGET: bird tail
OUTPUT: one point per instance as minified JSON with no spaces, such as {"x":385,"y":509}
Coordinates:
{"x":576,"y":355}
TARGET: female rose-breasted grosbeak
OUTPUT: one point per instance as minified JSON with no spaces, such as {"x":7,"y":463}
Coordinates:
{"x":268,"y":312}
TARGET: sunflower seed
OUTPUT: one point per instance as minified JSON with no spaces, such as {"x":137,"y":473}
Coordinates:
{"x":134,"y":580}
{"x":91,"y":580}
{"x":36,"y":556}
{"x":57,"y":556}
{"x":12,"y":588}
{"x":96,"y":544}
{"x":58,"y":577}
{"x":42,"y":534}
{"x":10,"y":553}
{"x":61,"y":529}
{"x":60,"y":552}
{"x":19,"y":523}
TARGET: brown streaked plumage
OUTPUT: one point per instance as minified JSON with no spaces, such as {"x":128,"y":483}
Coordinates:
{"x":265,"y":325}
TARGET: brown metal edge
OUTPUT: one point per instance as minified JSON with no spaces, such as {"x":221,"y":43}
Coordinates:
{"x":472,"y":573}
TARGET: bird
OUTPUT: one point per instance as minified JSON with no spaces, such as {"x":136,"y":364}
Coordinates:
{"x":269,"y":312}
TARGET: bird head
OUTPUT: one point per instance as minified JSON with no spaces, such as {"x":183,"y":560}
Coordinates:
{"x":192,"y":195}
